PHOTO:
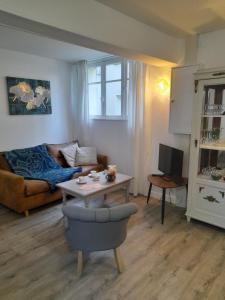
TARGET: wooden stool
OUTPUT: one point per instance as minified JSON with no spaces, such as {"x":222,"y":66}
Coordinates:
{"x":161,"y":182}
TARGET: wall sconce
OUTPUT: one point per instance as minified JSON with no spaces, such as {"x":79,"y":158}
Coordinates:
{"x":163,"y":85}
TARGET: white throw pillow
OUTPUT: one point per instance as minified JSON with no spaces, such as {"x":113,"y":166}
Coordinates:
{"x":69,"y":153}
{"x":86,"y":156}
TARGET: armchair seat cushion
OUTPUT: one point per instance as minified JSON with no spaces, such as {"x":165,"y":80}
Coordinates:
{"x":34,"y":187}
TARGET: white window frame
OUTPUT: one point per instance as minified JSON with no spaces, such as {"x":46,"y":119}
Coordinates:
{"x":102,"y":63}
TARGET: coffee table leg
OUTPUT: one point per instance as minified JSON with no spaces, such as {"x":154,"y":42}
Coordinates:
{"x":86,"y":203}
{"x":127,"y":192}
{"x":65,"y":220}
{"x":64,"y":198}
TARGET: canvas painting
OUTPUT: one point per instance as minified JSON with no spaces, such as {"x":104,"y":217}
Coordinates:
{"x":28,"y":96}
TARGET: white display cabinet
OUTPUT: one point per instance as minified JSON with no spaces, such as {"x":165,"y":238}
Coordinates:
{"x":206,"y":193}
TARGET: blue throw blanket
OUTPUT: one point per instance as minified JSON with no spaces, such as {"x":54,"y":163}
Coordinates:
{"x":37,"y":163}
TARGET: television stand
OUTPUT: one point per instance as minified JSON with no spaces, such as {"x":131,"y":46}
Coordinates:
{"x":167,"y":178}
{"x":159,"y":181}
{"x":177,"y":180}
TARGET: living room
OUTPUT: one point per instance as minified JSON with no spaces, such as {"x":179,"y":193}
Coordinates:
{"x":74,"y":46}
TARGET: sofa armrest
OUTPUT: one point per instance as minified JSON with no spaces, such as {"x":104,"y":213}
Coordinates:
{"x":102,"y":160}
{"x":11,"y":186}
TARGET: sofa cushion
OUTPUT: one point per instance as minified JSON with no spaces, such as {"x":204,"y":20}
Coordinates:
{"x":4,"y":164}
{"x":86,"y":156}
{"x":69,"y":153}
{"x":55,"y":151}
{"x":33,"y":187}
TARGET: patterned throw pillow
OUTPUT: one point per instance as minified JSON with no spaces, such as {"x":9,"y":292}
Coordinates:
{"x":86,"y":156}
{"x":69,"y":153}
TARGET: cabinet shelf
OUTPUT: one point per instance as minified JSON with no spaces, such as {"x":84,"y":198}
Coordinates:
{"x":209,"y":181}
{"x":213,"y":116}
{"x":213,"y":147}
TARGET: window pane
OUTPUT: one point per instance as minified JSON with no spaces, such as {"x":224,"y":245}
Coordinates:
{"x":94,"y":93}
{"x":113,"y":71}
{"x":113,"y":98}
{"x":94,"y":74}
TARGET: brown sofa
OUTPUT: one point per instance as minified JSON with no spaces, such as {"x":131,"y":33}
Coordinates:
{"x":22,"y":195}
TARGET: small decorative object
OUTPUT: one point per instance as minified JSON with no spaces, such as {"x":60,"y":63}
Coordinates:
{"x":111,"y":173}
{"x":28,"y":96}
{"x":93,"y":173}
{"x":211,"y":199}
{"x":216,"y":174}
{"x":110,"y":177}
{"x":112,"y":168}
{"x":81,"y":180}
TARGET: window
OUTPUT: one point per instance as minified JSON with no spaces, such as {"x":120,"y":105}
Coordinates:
{"x":107,"y":89}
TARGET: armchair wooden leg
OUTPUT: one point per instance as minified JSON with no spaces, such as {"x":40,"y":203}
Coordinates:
{"x":80,"y":263}
{"x":26,"y":213}
{"x":119,"y":261}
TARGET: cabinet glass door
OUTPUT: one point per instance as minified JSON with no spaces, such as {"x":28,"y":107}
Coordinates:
{"x":212,"y":134}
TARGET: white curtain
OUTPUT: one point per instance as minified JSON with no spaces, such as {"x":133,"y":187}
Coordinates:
{"x":80,"y":106}
{"x":139,"y":125}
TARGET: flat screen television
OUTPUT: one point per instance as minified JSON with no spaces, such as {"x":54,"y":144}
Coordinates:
{"x":170,"y":161}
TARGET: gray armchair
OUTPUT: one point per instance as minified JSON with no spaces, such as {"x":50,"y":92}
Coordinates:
{"x":97,"y":229}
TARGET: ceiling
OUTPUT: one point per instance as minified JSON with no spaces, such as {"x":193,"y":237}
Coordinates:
{"x":29,"y":43}
{"x":176,"y":17}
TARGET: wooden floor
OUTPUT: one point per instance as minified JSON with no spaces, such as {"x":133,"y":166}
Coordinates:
{"x":174,"y":261}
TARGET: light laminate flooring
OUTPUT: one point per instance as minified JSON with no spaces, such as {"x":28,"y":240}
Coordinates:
{"x":170,"y":262}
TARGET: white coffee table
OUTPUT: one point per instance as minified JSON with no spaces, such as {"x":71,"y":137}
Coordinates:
{"x":94,"y":189}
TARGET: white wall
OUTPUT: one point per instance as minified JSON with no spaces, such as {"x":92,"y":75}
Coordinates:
{"x":23,"y":131}
{"x":160,"y":121}
{"x":97,"y":21}
{"x":211,"y":49}
{"x":111,"y":137}
{"x":160,"y":133}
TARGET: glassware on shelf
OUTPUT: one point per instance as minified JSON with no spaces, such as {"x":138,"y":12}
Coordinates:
{"x":214,"y":173}
{"x":214,"y":109}
{"x":207,"y":171}
{"x":210,"y":136}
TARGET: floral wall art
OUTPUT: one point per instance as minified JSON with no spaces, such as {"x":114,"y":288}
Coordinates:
{"x":28,"y":96}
